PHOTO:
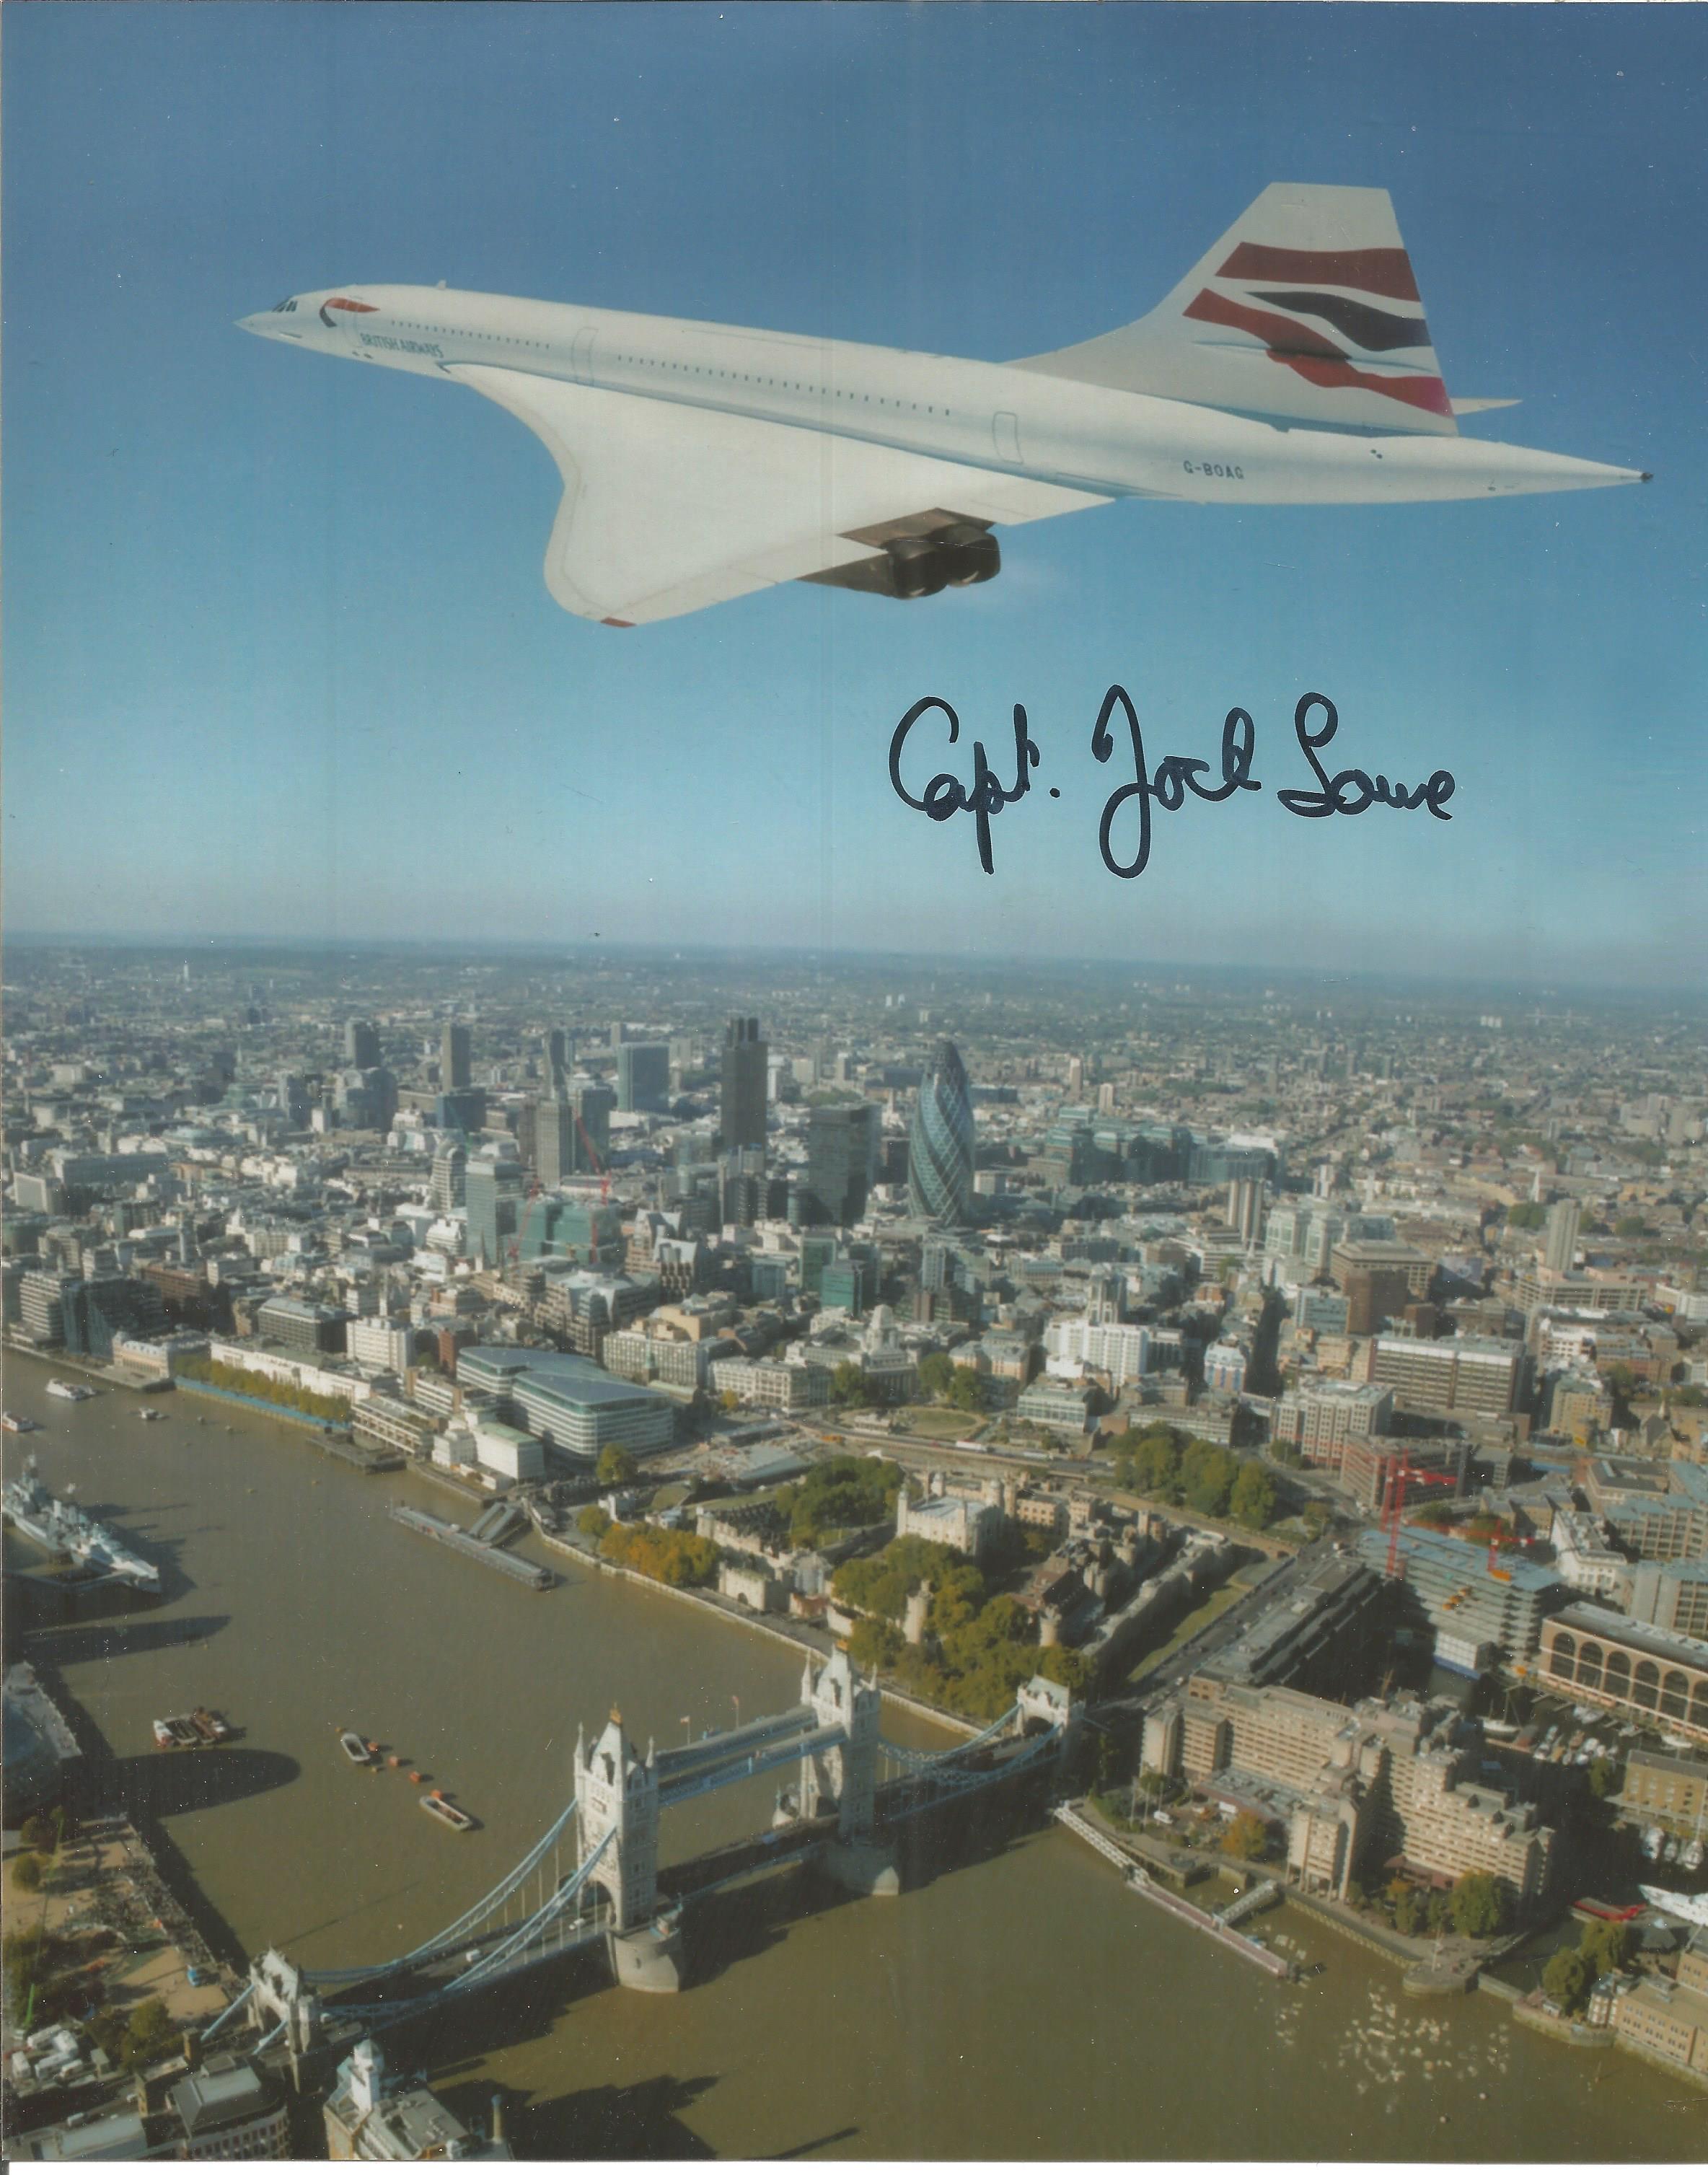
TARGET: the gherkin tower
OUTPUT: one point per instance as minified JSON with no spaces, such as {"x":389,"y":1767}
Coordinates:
{"x":939,"y":1147}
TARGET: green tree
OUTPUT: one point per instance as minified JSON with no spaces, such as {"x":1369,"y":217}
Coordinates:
{"x":27,"y":1873}
{"x":107,"y":2028}
{"x":937,"y":1373}
{"x":1410,"y":1911}
{"x":615,"y":1466}
{"x":1062,"y":1666}
{"x":1606,"y":1948}
{"x":1476,"y":1906}
{"x":875,"y":1645}
{"x":1526,"y":1215}
{"x":38,"y":1832}
{"x":848,"y":1384}
{"x":966,"y":1390}
{"x":1208,"y":1472}
{"x":150,"y":2034}
{"x":1252,"y":1501}
{"x":1567,"y":1978}
{"x":594,"y":1521}
{"x":1631,"y":1227}
{"x":1603,"y":1778}
{"x":1246,"y":1837}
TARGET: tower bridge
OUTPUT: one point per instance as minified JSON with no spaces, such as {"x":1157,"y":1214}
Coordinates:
{"x":592,"y":1877}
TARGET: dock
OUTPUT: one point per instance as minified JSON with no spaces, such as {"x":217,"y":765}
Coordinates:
{"x":360,"y":1455}
{"x":466,"y":1544}
{"x":1220,"y":1927}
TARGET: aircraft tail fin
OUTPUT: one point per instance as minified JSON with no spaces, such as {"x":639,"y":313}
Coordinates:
{"x":1306,"y":309}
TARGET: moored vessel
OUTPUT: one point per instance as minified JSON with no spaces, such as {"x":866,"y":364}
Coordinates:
{"x":440,"y":1806}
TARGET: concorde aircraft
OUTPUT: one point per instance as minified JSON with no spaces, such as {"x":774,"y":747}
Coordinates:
{"x":1291,"y":366}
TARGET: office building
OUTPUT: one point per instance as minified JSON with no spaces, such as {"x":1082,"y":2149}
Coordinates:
{"x":373,"y":2114}
{"x":1657,"y":1509}
{"x":1247,"y":1198}
{"x":643,"y":1076}
{"x":362,"y":1044}
{"x":940,"y":1142}
{"x":492,"y":1197}
{"x":1672,"y":1597}
{"x":1559,"y":1246}
{"x":450,"y":1176}
{"x":456,"y":1057}
{"x":1596,"y":1656}
{"x":741,"y":1106}
{"x":1358,"y":1787}
{"x":1319,"y":1421}
{"x":300,"y":1326}
{"x":572,"y":1406}
{"x":1486,"y":1375}
{"x":229,"y":2110}
{"x":1483,"y":1612}
{"x":842,"y":1149}
{"x":571,"y":1133}
{"x":1380,"y":1278}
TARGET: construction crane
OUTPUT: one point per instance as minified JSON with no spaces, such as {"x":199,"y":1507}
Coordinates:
{"x":1399,"y":1479}
{"x":601,"y":1169}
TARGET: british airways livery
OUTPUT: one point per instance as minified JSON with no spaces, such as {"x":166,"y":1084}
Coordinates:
{"x":1292,"y":366}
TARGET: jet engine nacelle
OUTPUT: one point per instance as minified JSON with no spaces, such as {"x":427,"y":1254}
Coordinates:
{"x":951,"y":558}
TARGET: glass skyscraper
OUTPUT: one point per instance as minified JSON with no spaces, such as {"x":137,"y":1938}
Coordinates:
{"x":939,"y":1146}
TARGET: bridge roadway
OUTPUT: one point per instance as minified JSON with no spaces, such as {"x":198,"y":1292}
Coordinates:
{"x":542,"y":1911}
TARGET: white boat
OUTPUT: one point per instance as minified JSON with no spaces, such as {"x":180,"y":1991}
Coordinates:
{"x":355,"y":1747}
{"x":1693,"y":1907}
{"x":1652,"y":1842}
{"x":73,"y":1392}
{"x":150,"y":1412}
{"x":1691,"y":1858}
{"x":442,"y":1808}
{"x":15,"y":1424}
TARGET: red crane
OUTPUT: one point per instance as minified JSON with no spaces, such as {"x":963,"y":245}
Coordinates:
{"x":601,"y":1170}
{"x":1400,"y":1476}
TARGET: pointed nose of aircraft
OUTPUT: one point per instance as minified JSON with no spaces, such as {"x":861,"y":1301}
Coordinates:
{"x":250,"y":323}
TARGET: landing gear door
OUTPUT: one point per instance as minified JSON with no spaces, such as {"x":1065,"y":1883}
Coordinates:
{"x":580,"y":355}
{"x":1005,"y":432}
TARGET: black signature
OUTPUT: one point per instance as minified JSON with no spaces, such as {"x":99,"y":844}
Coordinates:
{"x":1350,"y":792}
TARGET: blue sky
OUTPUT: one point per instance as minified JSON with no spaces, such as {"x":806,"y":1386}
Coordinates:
{"x":279,"y":659}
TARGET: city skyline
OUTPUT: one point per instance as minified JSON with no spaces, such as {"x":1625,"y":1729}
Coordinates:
{"x":329,"y":698}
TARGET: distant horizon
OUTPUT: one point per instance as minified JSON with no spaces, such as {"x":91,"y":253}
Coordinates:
{"x":1686,"y":996}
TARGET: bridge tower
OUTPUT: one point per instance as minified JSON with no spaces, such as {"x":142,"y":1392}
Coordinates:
{"x":617,"y":1793}
{"x":615,"y":1788}
{"x":847,"y":1774}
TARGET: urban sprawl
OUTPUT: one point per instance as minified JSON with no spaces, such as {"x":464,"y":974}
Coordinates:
{"x":1311,"y":1382}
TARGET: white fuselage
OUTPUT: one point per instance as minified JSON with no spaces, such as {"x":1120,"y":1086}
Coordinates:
{"x":1002,"y":417}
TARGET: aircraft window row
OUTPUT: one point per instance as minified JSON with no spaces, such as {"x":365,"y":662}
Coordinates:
{"x":795,"y":385}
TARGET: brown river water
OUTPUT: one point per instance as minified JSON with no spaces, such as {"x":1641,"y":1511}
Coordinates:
{"x":1015,"y":2002}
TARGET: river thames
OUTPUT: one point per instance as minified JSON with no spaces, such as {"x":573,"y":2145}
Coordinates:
{"x":1017,"y":2002}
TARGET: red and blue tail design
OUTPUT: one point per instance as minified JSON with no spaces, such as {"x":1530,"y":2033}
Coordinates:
{"x":1313,"y":278}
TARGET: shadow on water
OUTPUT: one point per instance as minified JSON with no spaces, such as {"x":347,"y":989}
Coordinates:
{"x":151,"y":1787}
{"x":817,"y":2144}
{"x":641,"y":2121}
{"x":63,"y":1645}
{"x":743,"y":1922}
{"x":158,"y":1786}
{"x":452,"y":2041}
